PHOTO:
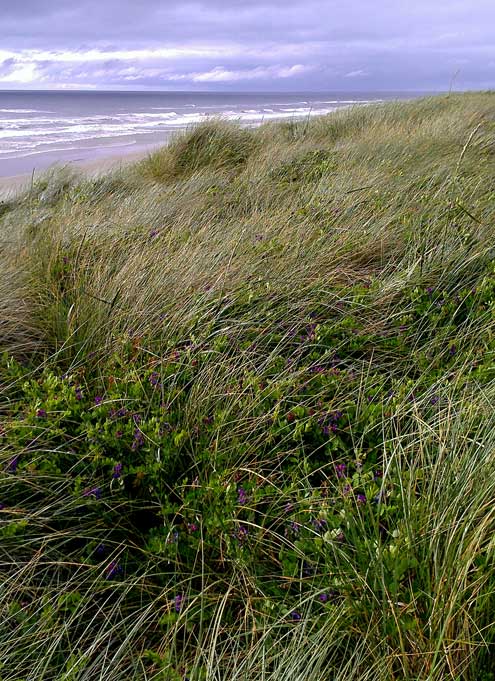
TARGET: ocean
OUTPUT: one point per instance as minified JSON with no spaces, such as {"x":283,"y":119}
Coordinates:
{"x":38,"y":129}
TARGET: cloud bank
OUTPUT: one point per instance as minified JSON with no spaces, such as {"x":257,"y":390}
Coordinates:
{"x":255,"y":45}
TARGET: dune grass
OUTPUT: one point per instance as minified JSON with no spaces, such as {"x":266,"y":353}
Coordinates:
{"x":247,"y":427}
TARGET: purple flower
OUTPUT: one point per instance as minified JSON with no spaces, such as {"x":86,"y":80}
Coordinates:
{"x":429,"y":290}
{"x":165,"y":428}
{"x":78,"y":392}
{"x":138,"y":440}
{"x":93,"y":492}
{"x":119,"y":434}
{"x":295,"y":616}
{"x":340,"y":470}
{"x":288,"y":507}
{"x":452,"y":350}
{"x":113,"y":570}
{"x":136,"y":418}
{"x":178,"y":602}
{"x":192,"y":527}
{"x":241,"y":496}
{"x":98,"y":400}
{"x":155,"y":378}
{"x":121,"y":412}
{"x":241,"y":534}
{"x":173,"y":538}
{"x":361,"y":498}
{"x":434,"y":399}
{"x":41,"y":414}
{"x":319,"y":524}
{"x":323,"y":598}
{"x":117,"y":470}
{"x":12,"y":467}
{"x":153,"y":233}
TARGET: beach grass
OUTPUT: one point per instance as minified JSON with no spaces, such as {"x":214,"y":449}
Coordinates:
{"x":247,"y":387}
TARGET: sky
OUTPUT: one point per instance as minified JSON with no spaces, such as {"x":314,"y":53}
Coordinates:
{"x":247,"y":45}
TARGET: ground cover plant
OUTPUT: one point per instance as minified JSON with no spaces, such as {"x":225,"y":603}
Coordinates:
{"x":247,"y":388}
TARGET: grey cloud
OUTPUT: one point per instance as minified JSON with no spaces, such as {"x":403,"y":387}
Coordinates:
{"x":321,"y":44}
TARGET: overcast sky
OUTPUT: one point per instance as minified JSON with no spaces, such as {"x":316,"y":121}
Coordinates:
{"x":247,"y":44}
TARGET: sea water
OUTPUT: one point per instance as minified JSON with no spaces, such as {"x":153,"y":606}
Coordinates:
{"x":40,"y":128}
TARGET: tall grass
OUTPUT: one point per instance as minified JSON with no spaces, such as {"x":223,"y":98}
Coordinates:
{"x":247,"y":391}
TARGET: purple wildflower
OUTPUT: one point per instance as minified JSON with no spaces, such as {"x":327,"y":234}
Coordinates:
{"x":98,"y":400}
{"x":165,"y":428}
{"x":93,"y":492}
{"x":136,"y":418}
{"x":173,"y":538}
{"x":288,"y":507}
{"x":78,"y":392}
{"x":113,"y":570}
{"x":121,"y":412}
{"x":241,"y":496}
{"x":155,"y":378}
{"x":138,"y":440}
{"x":241,"y":534}
{"x":340,"y":470}
{"x":192,"y":527}
{"x":178,"y":602}
{"x":41,"y":414}
{"x":119,"y":434}
{"x":452,"y":350}
{"x":12,"y":467}
{"x":295,"y":616}
{"x":153,"y":233}
{"x":319,"y":524}
{"x":117,"y":470}
{"x":361,"y":498}
{"x":434,"y":399}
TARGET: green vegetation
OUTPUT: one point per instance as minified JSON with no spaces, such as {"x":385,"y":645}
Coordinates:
{"x":247,"y":426}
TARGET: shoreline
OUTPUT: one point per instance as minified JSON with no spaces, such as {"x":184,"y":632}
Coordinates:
{"x":12,"y":185}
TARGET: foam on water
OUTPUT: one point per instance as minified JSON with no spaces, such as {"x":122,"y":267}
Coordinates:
{"x":34,"y":123}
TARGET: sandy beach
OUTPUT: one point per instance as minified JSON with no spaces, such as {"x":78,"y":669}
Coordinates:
{"x":9,"y":186}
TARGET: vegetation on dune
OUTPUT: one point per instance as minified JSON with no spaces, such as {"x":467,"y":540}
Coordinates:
{"x":247,"y":426}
